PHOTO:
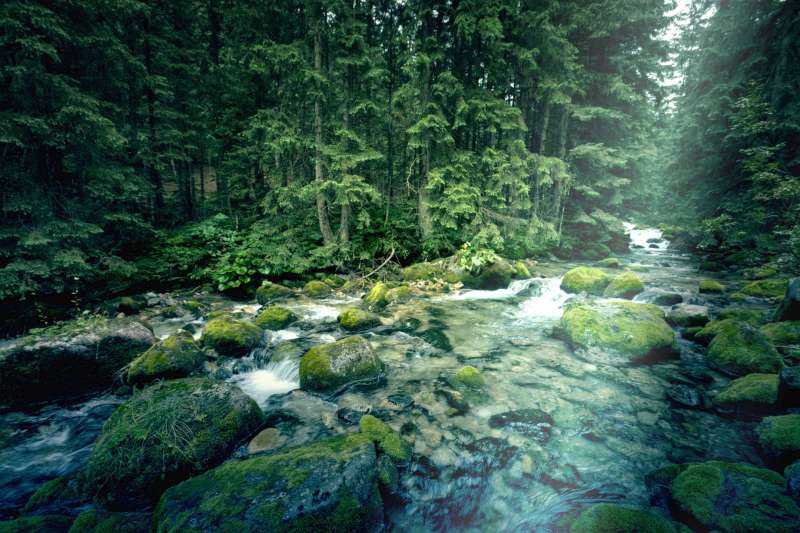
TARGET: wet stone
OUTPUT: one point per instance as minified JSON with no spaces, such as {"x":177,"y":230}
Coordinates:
{"x":789,"y":386}
{"x":687,"y":396}
{"x":401,"y":401}
{"x":533,"y":423}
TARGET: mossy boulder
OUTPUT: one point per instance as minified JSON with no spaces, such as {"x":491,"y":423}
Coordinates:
{"x":99,"y":521}
{"x":732,"y":497}
{"x":688,"y":315}
{"x":612,"y":518}
{"x":164,"y":434}
{"x":779,"y":437}
{"x":376,"y":297}
{"x":330,"y":485}
{"x":177,"y":356}
{"x":270,"y":292}
{"x":334,"y":281}
{"x":782,"y":333}
{"x":609,"y":262}
{"x":388,"y":440}
{"x":469,"y":376}
{"x":275,"y":317}
{"x":38,"y":524}
{"x":70,"y":359}
{"x":711,"y":286}
{"x":585,"y":279}
{"x":740,"y":349}
{"x":626,"y":285}
{"x":496,"y":275}
{"x":753,"y":391}
{"x":356,"y":319}
{"x":751,"y":316}
{"x":328,"y":367}
{"x":230,"y":336}
{"x":426,"y":271}
{"x":317,"y":289}
{"x":634,"y":330}
{"x":400,"y":294}
{"x":59,"y":496}
{"x":521,"y":270}
{"x":766,"y":288}
{"x":710,"y":330}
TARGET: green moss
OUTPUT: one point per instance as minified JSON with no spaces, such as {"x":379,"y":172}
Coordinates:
{"x":521,"y":270}
{"x":423,"y":271}
{"x":766,"y":288}
{"x":609,"y":262}
{"x":739,"y":349}
{"x":62,"y":492}
{"x":638,"y":268}
{"x":752,"y":388}
{"x":388,"y":440}
{"x":626,"y":285}
{"x":711,"y":286}
{"x":611,"y":518}
{"x":98,"y":521}
{"x":316,"y":289}
{"x":355,"y":319}
{"x":275,"y":317}
{"x":330,"y":366}
{"x":42,"y":523}
{"x":164,"y":434}
{"x":231,"y":337}
{"x":400,"y":294}
{"x":696,"y":489}
{"x":377,"y":295}
{"x":751,"y":316}
{"x":585,"y":279}
{"x":176,"y":356}
{"x":271,"y":292}
{"x":470,"y":376}
{"x":780,"y":435}
{"x":782,"y":333}
{"x":496,"y":275}
{"x":626,"y":327}
{"x":334,"y":281}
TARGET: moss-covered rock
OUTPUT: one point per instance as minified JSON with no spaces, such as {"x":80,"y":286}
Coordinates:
{"x":231,"y":337}
{"x":400,"y":294}
{"x":272,"y":292}
{"x":327,"y":367}
{"x":612,"y":518}
{"x":165,"y":434}
{"x":330,"y":485}
{"x":751,"y":316}
{"x":426,"y":271}
{"x":334,"y":281}
{"x":766,"y":288}
{"x":275,"y":317}
{"x":688,"y":315}
{"x":782,"y":333}
{"x":751,"y":391}
{"x":376,"y":297}
{"x":585,"y":279}
{"x":316,"y":289}
{"x":609,"y":262}
{"x":631,"y":329}
{"x":70,"y":359}
{"x":710,"y":330}
{"x":469,"y":376}
{"x":779,"y":437}
{"x":626,"y":285}
{"x":388,"y":440}
{"x":521,"y":270}
{"x":38,"y":524}
{"x":98,"y":521}
{"x":59,"y":496}
{"x":710,"y":286}
{"x":740,"y":349}
{"x":356,"y":319}
{"x":177,"y":356}
{"x":496,"y":275}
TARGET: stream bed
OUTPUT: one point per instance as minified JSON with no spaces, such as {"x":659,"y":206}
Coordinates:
{"x":599,"y":427}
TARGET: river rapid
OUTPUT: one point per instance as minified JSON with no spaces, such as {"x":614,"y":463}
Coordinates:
{"x":601,"y":426}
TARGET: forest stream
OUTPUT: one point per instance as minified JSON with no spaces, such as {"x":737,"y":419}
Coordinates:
{"x":549,"y":430}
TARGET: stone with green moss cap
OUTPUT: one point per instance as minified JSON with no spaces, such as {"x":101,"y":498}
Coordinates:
{"x":376,"y":297}
{"x":328,"y":367}
{"x":165,"y":434}
{"x":766,"y":288}
{"x":388,"y":440}
{"x":230,"y":336}
{"x":613,"y":518}
{"x":521,"y":270}
{"x":58,"y":496}
{"x":609,"y":262}
{"x":469,"y":376}
{"x":400,"y":294}
{"x":631,"y":329}
{"x":356,"y":319}
{"x":740,"y":349}
{"x":782,"y":333}
{"x":779,"y":437}
{"x":330,"y":485}
{"x":626,"y":285}
{"x":41,"y":523}
{"x":316,"y":289}
{"x":177,"y":356}
{"x":275,"y":317}
{"x":688,"y":315}
{"x":751,"y":391}
{"x":271,"y":292}
{"x":585,"y":279}
{"x":751,"y":316}
{"x":711,"y":286}
{"x":731,"y":497}
{"x":99,"y":521}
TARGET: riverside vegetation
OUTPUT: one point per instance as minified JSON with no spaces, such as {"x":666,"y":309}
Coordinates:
{"x":362,"y":266}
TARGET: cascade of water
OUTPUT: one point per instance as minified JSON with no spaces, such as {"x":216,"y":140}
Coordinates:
{"x":513,"y":289}
{"x":549,"y":303}
{"x":274,"y":378}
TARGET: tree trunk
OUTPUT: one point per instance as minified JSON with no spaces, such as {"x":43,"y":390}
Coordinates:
{"x":322,"y":208}
{"x":152,"y":171}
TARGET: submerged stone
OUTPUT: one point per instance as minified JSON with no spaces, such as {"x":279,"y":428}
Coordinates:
{"x":626,"y":285}
{"x":533,"y":423}
{"x":177,"y":356}
{"x":330,"y":485}
{"x":332,"y":366}
{"x":585,"y":279}
{"x":469,"y":375}
{"x":230,"y":336}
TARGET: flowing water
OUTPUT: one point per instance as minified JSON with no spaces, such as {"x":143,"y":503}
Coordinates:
{"x":600,"y":425}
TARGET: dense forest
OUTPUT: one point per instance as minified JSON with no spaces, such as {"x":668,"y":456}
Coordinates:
{"x":393,"y":265}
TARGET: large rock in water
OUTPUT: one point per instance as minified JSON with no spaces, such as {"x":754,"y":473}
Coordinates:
{"x":727,"y":497}
{"x":779,"y":438}
{"x":230,"y":336}
{"x":688,"y":315}
{"x":612,"y":518}
{"x":166,"y":433}
{"x":631,"y":329}
{"x":626,"y":285}
{"x":70,"y":359}
{"x":330,"y":485}
{"x":494,"y":275}
{"x":789,"y":309}
{"x":585,"y":279}
{"x":740,"y":349}
{"x":177,"y":356}
{"x":329,"y":367}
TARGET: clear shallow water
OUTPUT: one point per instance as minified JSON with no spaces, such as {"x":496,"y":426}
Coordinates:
{"x":611,"y":423}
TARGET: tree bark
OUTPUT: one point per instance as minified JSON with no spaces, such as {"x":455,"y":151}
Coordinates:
{"x":322,"y":208}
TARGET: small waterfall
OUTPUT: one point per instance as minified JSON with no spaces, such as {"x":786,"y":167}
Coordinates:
{"x":274,"y":378}
{"x":513,"y":289}
{"x":549,"y":303}
{"x":646,"y":238}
